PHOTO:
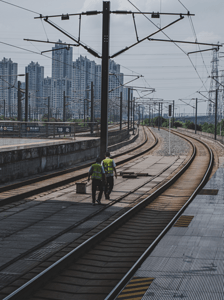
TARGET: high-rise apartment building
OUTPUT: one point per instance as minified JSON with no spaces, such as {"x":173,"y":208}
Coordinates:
{"x":97,"y":92}
{"x":84,"y":72}
{"x":8,"y":87}
{"x":35,"y":88}
{"x":61,"y":78}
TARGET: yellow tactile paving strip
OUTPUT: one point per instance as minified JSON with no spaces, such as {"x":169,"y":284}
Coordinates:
{"x":136,"y":288}
{"x":183,"y":221}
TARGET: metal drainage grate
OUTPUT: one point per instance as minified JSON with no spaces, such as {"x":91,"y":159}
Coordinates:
{"x":42,"y":253}
{"x":6,"y":279}
{"x":183,"y":221}
{"x":208,"y":192}
{"x":136,"y":288}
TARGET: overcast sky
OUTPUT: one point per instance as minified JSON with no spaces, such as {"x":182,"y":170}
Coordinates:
{"x":164,"y":66}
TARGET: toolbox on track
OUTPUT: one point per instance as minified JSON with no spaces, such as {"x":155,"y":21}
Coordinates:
{"x":80,"y":188}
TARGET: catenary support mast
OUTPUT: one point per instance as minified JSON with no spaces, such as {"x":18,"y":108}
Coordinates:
{"x":105,"y":79}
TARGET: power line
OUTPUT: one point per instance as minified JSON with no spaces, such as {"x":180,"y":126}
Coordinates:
{"x":34,"y":52}
{"x":193,"y":29}
{"x":156,"y":26}
{"x":24,"y":49}
{"x":20,"y":7}
{"x":44,"y":29}
{"x":169,"y":39}
{"x":183,"y":5}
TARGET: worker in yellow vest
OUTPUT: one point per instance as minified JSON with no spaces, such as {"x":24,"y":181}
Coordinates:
{"x":97,"y":174}
{"x":110,"y":168}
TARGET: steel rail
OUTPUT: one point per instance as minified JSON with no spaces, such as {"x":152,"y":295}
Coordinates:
{"x":45,"y":188}
{"x":117,"y":289}
{"x":31,"y":286}
{"x":83,"y":220}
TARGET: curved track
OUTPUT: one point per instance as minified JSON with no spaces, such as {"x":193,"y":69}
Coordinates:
{"x":108,"y":258}
{"x":135,"y":152}
{"x":40,"y":184}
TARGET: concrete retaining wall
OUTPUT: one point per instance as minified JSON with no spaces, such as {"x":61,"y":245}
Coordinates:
{"x":24,"y":161}
{"x":30,"y":161}
{"x":116,"y":137}
{"x":131,"y":139}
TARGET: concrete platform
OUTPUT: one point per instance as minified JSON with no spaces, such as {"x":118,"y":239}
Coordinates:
{"x":188,"y":261}
{"x":12,"y":144}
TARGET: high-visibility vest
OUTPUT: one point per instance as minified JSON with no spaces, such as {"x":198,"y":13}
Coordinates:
{"x":97,"y":171}
{"x":108,"y":165}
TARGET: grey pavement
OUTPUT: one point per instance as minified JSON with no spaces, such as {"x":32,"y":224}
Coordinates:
{"x":188,"y":263}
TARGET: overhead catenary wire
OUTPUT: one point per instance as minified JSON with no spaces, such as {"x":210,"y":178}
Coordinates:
{"x":38,"y":53}
{"x":169,"y":39}
{"x":193,"y":29}
{"x":156,"y":25}
{"x":88,"y":72}
{"x":20,"y":7}
{"x":183,"y":5}
{"x":54,"y":59}
{"x":44,"y":29}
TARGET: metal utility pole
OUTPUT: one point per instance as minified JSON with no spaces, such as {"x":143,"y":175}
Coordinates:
{"x":64,"y":106}
{"x":142,"y":115}
{"x":216,"y":104}
{"x":161,"y":120}
{"x":128,"y":107}
{"x":120,"y":110}
{"x":4,"y":108}
{"x":170,"y":115}
{"x":84,"y":116}
{"x":139,"y":115}
{"x":48,"y":108}
{"x":105,"y":79}
{"x":19,"y":102}
{"x":134,"y":116}
{"x":159,"y":117}
{"x":149,"y":115}
{"x":29,"y":112}
{"x":92,"y":117}
{"x":87,"y":104}
{"x":196,"y":112}
{"x":26,"y":97}
{"x":173,"y":115}
{"x":131,"y":110}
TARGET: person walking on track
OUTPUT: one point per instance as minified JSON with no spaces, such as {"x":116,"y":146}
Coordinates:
{"x":97,"y":174}
{"x":110,"y":168}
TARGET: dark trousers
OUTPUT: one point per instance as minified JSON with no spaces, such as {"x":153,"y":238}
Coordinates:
{"x":97,"y":183}
{"x":109,"y":185}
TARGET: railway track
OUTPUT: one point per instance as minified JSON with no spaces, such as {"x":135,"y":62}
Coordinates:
{"x":144,"y":148}
{"x":27,"y":188}
{"x":108,"y":258}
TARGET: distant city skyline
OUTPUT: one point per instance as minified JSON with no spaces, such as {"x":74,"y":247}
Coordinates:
{"x":69,"y":79}
{"x":165,"y":66}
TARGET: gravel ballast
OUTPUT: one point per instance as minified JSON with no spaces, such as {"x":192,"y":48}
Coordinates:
{"x":178,"y":146}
